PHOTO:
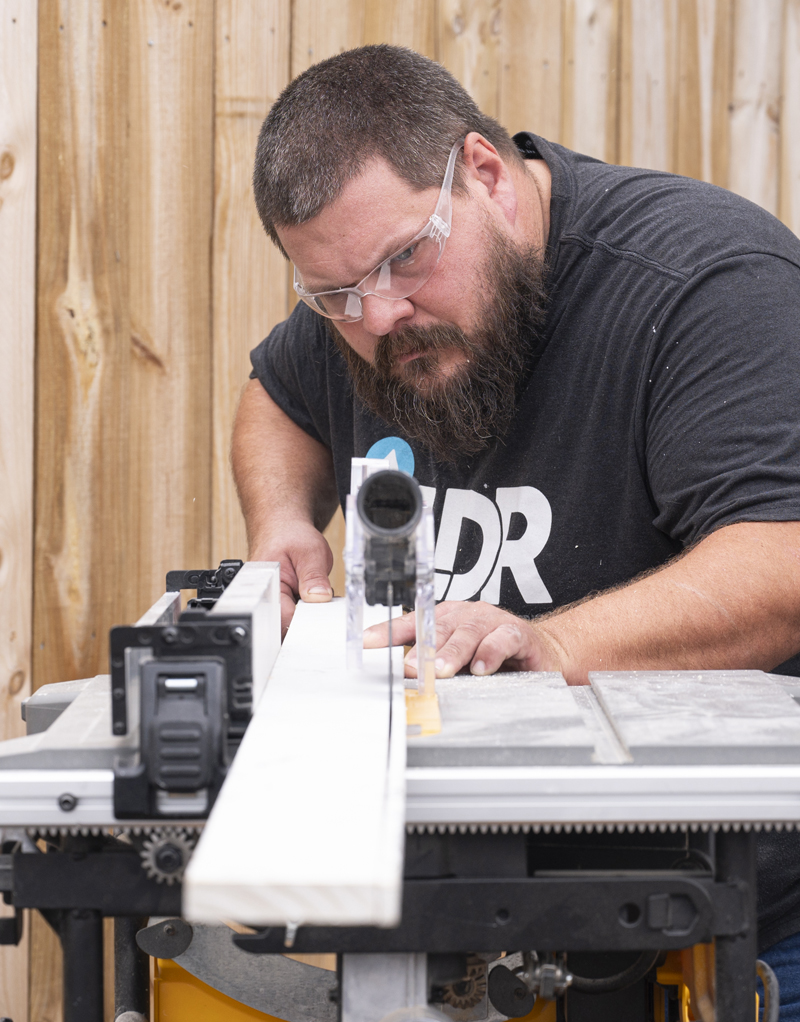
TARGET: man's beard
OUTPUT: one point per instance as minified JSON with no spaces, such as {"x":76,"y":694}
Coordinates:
{"x":463,"y":412}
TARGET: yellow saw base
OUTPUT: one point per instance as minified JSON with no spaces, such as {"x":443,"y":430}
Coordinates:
{"x":178,"y":996}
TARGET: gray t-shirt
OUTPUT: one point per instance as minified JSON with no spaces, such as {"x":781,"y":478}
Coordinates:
{"x":663,"y":403}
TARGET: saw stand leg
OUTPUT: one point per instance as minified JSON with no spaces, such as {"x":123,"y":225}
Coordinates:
{"x":81,"y":934}
{"x":735,"y":856}
{"x":131,"y":969}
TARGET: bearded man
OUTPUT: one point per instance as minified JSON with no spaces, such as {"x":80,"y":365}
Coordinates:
{"x":593,"y":372}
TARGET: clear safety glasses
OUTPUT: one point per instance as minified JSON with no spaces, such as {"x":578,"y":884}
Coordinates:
{"x":401,"y":274}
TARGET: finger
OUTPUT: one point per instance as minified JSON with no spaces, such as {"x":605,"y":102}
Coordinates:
{"x":506,"y":642}
{"x":403,"y":632}
{"x":459,"y":648}
{"x":312,"y":579}
{"x":410,"y":666}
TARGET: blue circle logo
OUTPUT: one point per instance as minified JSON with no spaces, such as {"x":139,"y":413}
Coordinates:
{"x":402,"y":451}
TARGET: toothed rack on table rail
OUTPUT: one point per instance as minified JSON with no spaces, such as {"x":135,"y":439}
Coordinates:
{"x":219,"y":776}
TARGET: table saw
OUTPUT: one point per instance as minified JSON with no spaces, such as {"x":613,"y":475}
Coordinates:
{"x":524,"y":849}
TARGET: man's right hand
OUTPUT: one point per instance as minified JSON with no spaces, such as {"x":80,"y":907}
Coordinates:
{"x":306,"y":561}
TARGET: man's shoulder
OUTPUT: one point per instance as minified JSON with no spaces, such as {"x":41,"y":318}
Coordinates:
{"x":303,"y":324}
{"x":299,"y":348}
{"x":675,"y":223}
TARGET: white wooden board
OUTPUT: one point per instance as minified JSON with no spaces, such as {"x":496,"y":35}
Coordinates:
{"x":309,"y":825}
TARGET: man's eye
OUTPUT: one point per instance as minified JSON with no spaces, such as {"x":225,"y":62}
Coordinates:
{"x":405,"y":256}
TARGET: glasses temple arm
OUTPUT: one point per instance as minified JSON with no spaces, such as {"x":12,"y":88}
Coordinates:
{"x":443,"y":213}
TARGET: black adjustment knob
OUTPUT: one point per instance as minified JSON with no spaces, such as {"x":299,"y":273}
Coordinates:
{"x":508,"y":993}
{"x":167,"y":939}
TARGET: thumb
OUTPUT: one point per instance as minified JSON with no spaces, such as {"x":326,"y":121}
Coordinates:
{"x":312,"y":581}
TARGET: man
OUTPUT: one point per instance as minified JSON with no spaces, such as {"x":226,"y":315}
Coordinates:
{"x":594,"y":371}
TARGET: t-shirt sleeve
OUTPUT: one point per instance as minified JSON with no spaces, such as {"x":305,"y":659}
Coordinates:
{"x":722,"y":399}
{"x":291,"y":364}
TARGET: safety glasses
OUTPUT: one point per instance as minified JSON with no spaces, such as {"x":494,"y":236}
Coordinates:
{"x":399,"y":275}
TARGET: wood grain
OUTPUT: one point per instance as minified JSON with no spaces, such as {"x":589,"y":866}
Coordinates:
{"x":755,"y":102}
{"x":82,"y":497}
{"x":789,"y":208}
{"x":410,"y":23}
{"x":46,"y":973}
{"x":250,"y":276}
{"x":18,"y":87}
{"x":530,"y":79}
{"x":171,"y":64}
{"x":470,"y":45}
{"x":81,"y":486}
{"x":648,"y":86}
{"x":714,"y":25}
{"x":322,"y":28}
{"x":686,"y":141}
{"x":590,"y":79}
{"x":18,"y":98}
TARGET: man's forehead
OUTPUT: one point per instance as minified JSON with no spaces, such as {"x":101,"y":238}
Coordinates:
{"x":374,"y":215}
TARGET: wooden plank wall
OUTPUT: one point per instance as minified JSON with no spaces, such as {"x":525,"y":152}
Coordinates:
{"x":154,"y":279}
{"x":18,"y":64}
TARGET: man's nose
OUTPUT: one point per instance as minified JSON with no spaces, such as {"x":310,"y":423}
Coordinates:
{"x":382,"y":315}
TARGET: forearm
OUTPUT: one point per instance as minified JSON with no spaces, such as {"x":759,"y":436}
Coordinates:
{"x":283,"y":475}
{"x":730,"y":602}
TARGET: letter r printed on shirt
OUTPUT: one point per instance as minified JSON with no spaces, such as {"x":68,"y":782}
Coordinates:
{"x":497,"y":550}
{"x":518,"y":555}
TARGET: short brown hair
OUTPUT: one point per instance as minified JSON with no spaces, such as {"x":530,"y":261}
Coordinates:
{"x":374,"y":101}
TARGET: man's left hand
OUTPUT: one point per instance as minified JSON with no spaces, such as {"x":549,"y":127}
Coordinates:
{"x":478,"y":635}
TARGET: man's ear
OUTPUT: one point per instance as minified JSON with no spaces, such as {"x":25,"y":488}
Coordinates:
{"x":487,"y":172}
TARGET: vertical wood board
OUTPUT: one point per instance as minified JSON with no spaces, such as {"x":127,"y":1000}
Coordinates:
{"x":721,"y":84}
{"x":18,"y":92}
{"x":18,"y":37}
{"x":410,"y":23}
{"x":46,"y":972}
{"x":82,"y":318}
{"x":789,"y":210}
{"x":530,"y":79}
{"x":249,"y":273}
{"x":470,"y":45}
{"x":590,"y":77}
{"x":714,"y":66}
{"x":647,"y":118}
{"x":81,"y":553}
{"x":755,"y":101}
{"x":171,"y":65}
{"x":686,"y":143}
{"x":322,"y":28}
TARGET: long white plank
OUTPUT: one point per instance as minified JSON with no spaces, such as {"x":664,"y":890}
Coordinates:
{"x":309,"y":825}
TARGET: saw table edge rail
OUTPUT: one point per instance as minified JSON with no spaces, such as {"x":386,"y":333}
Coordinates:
{"x":758,"y":797}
